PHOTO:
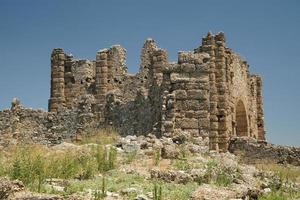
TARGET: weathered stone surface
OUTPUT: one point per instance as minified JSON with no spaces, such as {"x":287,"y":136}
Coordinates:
{"x":209,"y":89}
{"x":171,"y":176}
{"x":209,"y":192}
{"x":252,"y":151}
{"x":8,"y":187}
{"x":169,"y":151}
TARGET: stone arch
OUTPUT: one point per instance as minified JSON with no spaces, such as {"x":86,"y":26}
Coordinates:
{"x":241,"y":119}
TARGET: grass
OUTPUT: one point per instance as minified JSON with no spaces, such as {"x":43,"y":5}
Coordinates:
{"x":100,"y":136}
{"x":33,"y":164}
{"x":178,"y":191}
{"x":95,"y":167}
{"x":106,"y":158}
{"x":116,"y":181}
{"x":157,"y":192}
{"x":281,"y":195}
{"x":156,"y":156}
{"x":182,"y":165}
{"x":131,"y":156}
{"x":288,"y":174}
{"x":285,"y":172}
{"x":101,"y":193}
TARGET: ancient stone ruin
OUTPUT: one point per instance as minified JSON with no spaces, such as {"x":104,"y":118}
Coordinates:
{"x":208,"y":92}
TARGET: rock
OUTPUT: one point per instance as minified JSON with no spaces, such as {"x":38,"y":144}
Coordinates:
{"x":171,"y":176}
{"x":142,"y":197}
{"x":128,"y":191}
{"x":15,"y":103}
{"x":180,"y":139}
{"x":169,"y":152}
{"x":267,"y":190}
{"x":252,"y":151}
{"x":8,"y":187}
{"x":210,"y":192}
{"x":35,"y":196}
{"x":131,"y":147}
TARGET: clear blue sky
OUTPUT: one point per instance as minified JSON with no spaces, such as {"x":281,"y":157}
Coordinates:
{"x":266,"y":33}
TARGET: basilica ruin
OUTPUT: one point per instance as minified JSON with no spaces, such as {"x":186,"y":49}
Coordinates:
{"x":209,"y":92}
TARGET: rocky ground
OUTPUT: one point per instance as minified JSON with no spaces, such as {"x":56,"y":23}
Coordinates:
{"x":141,"y":168}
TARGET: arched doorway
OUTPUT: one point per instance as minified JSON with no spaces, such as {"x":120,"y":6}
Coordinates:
{"x":241,"y":120}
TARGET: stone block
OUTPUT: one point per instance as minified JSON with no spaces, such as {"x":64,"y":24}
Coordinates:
{"x":100,"y":63}
{"x":202,"y":68}
{"x":104,"y":70}
{"x":204,"y":122}
{"x":187,"y":67}
{"x":180,"y":94}
{"x":187,"y":123}
{"x":196,"y":105}
{"x":197,"y":94}
{"x":214,"y":125}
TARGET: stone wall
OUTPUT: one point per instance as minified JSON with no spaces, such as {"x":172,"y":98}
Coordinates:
{"x":209,"y":92}
{"x":236,"y":107}
{"x":253,"y":152}
{"x":23,"y":125}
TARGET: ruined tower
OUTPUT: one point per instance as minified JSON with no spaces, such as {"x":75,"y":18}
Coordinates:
{"x":57,"y":98}
{"x":209,"y":92}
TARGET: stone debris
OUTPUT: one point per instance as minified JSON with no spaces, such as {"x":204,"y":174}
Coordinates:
{"x":236,"y":192}
{"x":171,"y":176}
{"x":253,"y":152}
{"x":8,"y":187}
{"x":203,"y":168}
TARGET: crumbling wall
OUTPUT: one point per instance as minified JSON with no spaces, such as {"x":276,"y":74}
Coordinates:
{"x":253,"y":152}
{"x":23,"y":125}
{"x":135,"y":108}
{"x":235,"y":95}
{"x":186,"y":95}
{"x":209,"y":92}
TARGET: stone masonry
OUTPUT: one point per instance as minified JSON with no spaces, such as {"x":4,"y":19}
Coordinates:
{"x":208,"y":92}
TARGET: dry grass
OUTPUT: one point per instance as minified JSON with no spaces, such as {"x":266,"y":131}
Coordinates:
{"x":286,"y":172}
{"x":100,"y":136}
{"x":33,"y":164}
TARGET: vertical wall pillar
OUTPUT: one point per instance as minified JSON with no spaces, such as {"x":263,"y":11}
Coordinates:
{"x":208,"y":46}
{"x":222,"y":91}
{"x":57,"y":97}
{"x":101,"y":81}
{"x":159,"y":60}
{"x":260,"y":112}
